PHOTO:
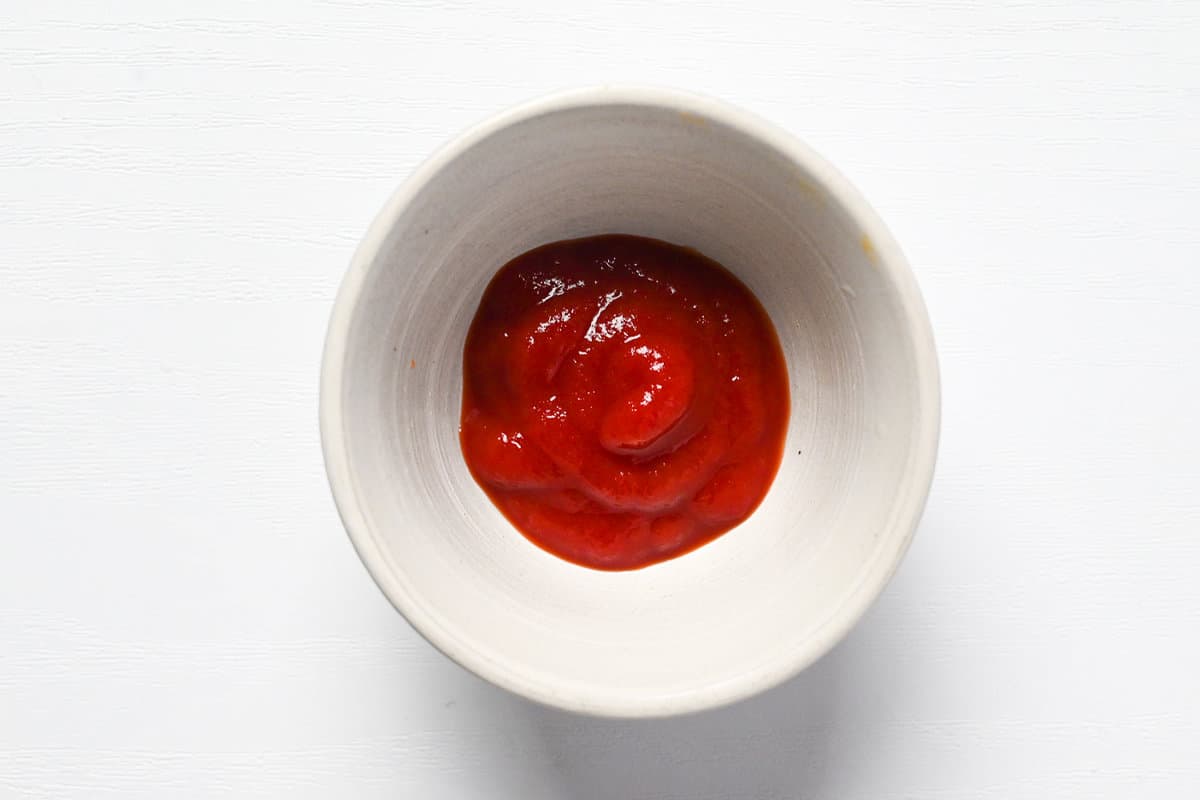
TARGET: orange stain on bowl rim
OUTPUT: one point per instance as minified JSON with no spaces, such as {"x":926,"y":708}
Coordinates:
{"x":868,"y":247}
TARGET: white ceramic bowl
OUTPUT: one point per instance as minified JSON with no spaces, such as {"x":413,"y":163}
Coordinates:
{"x":738,"y":615}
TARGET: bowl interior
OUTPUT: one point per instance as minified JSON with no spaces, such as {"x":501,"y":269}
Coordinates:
{"x":737,"y":615}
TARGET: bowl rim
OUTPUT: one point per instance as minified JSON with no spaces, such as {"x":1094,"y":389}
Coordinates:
{"x":914,"y":489}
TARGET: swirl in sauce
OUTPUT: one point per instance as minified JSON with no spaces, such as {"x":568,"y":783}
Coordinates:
{"x":625,"y":400}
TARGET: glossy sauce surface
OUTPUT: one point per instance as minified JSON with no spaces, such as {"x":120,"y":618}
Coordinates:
{"x":625,"y":400}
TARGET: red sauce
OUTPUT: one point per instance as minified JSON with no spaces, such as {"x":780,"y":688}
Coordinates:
{"x":624,"y":400}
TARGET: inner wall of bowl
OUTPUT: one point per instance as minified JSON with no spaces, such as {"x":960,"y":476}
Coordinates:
{"x":756,"y":597}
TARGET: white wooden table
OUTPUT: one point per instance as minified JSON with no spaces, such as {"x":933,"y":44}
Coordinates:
{"x":181,"y":186}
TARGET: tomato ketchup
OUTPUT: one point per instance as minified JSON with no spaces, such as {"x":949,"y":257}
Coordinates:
{"x":625,"y":400}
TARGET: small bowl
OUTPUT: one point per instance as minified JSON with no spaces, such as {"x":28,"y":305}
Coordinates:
{"x":740,"y":614}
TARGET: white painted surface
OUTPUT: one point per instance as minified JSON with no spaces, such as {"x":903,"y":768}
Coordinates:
{"x":181,"y":186}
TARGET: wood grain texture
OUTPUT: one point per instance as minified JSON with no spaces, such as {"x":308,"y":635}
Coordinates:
{"x":181,"y":186}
